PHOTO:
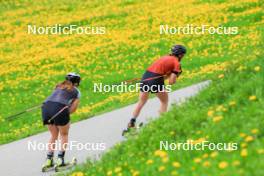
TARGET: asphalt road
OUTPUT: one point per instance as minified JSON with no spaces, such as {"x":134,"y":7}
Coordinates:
{"x":95,"y":135}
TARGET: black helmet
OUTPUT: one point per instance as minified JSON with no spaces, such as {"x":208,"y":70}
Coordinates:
{"x":176,"y":50}
{"x":73,"y":77}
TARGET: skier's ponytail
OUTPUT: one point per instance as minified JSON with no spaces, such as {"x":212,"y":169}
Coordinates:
{"x":68,"y":85}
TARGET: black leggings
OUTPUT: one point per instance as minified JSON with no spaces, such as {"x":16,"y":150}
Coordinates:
{"x":49,"y":109}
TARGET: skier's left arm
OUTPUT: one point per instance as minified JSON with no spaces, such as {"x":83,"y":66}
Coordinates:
{"x":175,"y":73}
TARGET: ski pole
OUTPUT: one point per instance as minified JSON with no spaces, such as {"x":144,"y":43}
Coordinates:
{"x":127,"y":81}
{"x":22,"y":112}
{"x":55,"y":115}
{"x":152,"y":78}
{"x":137,"y":79}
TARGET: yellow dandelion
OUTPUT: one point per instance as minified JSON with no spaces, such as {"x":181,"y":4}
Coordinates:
{"x":206,"y":164}
{"x":197,"y":160}
{"x":149,"y":161}
{"x":232,"y":103}
{"x":176,"y":164}
{"x":200,"y":140}
{"x":249,"y":139}
{"x":260,"y":151}
{"x":160,"y":153}
{"x":252,"y":98}
{"x":242,"y":135}
{"x":220,"y":108}
{"x":240,"y":68}
{"x":109,"y":173}
{"x":135,"y":173}
{"x":118,"y":169}
{"x":205,"y":155}
{"x":221,"y":76}
{"x":172,"y":133}
{"x":213,"y":154}
{"x":161,"y":168}
{"x":210,"y":113}
{"x":217,"y":118}
{"x":165,"y":159}
{"x":77,"y":174}
{"x":244,"y":152}
{"x":243,"y":145}
{"x":224,"y":110}
{"x":236,"y":163}
{"x":257,"y":68}
{"x":255,"y":131}
{"x":222,"y":165}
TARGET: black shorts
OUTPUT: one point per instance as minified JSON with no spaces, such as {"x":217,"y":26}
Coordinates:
{"x":152,"y":82}
{"x":49,"y":109}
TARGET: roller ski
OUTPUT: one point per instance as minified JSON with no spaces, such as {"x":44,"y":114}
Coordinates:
{"x":62,"y":166}
{"x":49,"y":165}
{"x":132,"y":128}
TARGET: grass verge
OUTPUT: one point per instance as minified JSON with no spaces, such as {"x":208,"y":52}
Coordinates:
{"x":229,"y":111}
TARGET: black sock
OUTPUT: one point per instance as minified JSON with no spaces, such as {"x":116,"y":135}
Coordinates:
{"x":61,"y":154}
{"x":50,"y":155}
{"x":133,"y":120}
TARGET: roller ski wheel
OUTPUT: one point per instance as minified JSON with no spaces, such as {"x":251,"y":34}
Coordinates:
{"x":48,"y":165}
{"x":132,"y":130}
{"x":60,"y":166}
{"x":139,"y":125}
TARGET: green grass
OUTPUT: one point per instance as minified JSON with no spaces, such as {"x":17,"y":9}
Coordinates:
{"x":128,"y":58}
{"x":126,"y":55}
{"x":191,"y":121}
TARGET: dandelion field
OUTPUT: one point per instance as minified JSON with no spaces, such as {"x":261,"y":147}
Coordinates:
{"x":31,"y":65}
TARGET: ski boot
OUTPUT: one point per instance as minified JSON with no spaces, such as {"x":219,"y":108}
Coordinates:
{"x":48,"y":165}
{"x":61,"y":165}
{"x":60,"y":162}
{"x":130,"y":125}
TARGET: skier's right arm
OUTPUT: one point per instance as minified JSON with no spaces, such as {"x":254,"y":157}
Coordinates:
{"x":172,"y":78}
{"x":74,"y":105}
